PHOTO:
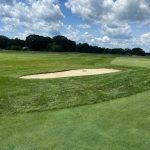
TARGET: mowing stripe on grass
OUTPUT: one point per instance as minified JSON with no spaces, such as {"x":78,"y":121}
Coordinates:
{"x":122,"y":124}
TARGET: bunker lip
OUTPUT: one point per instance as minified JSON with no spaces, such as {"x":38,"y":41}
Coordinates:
{"x":70,"y":73}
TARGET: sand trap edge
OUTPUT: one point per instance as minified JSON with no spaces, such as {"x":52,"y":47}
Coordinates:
{"x":70,"y":73}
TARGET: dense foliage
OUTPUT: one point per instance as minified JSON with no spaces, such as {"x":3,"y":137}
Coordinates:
{"x":61,"y":44}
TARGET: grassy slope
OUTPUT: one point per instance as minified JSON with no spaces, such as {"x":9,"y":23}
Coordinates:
{"x":19,"y":95}
{"x":113,"y":125}
{"x":122,"y":124}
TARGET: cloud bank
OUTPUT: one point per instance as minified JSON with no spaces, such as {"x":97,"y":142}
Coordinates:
{"x":110,"y":23}
{"x":39,"y":15}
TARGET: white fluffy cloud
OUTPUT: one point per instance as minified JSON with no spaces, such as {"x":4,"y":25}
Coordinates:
{"x":93,"y":10}
{"x":84,"y":26}
{"x":113,"y":20}
{"x":113,"y":16}
{"x":145,"y":38}
{"x":104,"y":39}
{"x":117,"y":30}
{"x":85,"y":37}
{"x":132,"y":10}
{"x":110,"y":10}
{"x":31,"y":14}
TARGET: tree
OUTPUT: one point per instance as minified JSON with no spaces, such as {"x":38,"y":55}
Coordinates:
{"x":61,"y":44}
{"x":36,"y":42}
{"x":54,"y":47}
{"x":66,"y":44}
{"x":84,"y":48}
{"x":138,"y":51}
{"x":4,"y":42}
{"x":117,"y":51}
{"x":17,"y":42}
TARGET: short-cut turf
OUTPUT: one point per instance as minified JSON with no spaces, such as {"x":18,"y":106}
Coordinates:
{"x":132,"y":62}
{"x":108,"y":124}
{"x":122,"y":124}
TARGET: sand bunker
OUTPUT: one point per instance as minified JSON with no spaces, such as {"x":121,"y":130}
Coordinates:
{"x":70,"y":73}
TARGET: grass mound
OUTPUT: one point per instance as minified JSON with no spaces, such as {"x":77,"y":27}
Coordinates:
{"x":19,"y":95}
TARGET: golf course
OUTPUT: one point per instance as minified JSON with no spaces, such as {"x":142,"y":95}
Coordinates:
{"x":105,"y":111}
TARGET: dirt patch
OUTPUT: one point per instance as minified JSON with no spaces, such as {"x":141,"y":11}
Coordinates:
{"x":70,"y":73}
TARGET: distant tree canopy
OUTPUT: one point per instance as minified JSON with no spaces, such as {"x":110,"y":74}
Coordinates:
{"x":36,"y":42}
{"x":65,"y":44}
{"x":138,"y":51}
{"x":4,"y":42}
{"x":61,"y":44}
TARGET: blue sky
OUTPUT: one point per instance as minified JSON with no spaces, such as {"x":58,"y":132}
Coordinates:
{"x":106,"y":23}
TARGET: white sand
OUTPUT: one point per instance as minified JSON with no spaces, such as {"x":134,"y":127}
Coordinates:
{"x":70,"y":73}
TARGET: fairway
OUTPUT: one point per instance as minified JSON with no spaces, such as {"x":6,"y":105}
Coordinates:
{"x":132,"y":62}
{"x":102,"y":111}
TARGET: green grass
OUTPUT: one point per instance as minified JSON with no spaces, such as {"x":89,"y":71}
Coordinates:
{"x":33,"y":113}
{"x":122,"y":124}
{"x":132,"y":61}
{"x":18,"y":95}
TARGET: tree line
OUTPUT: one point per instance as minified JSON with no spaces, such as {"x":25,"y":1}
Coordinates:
{"x":61,"y":44}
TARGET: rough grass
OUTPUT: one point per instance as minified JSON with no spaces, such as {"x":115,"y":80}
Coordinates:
{"x":19,"y":95}
{"x":122,"y":124}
